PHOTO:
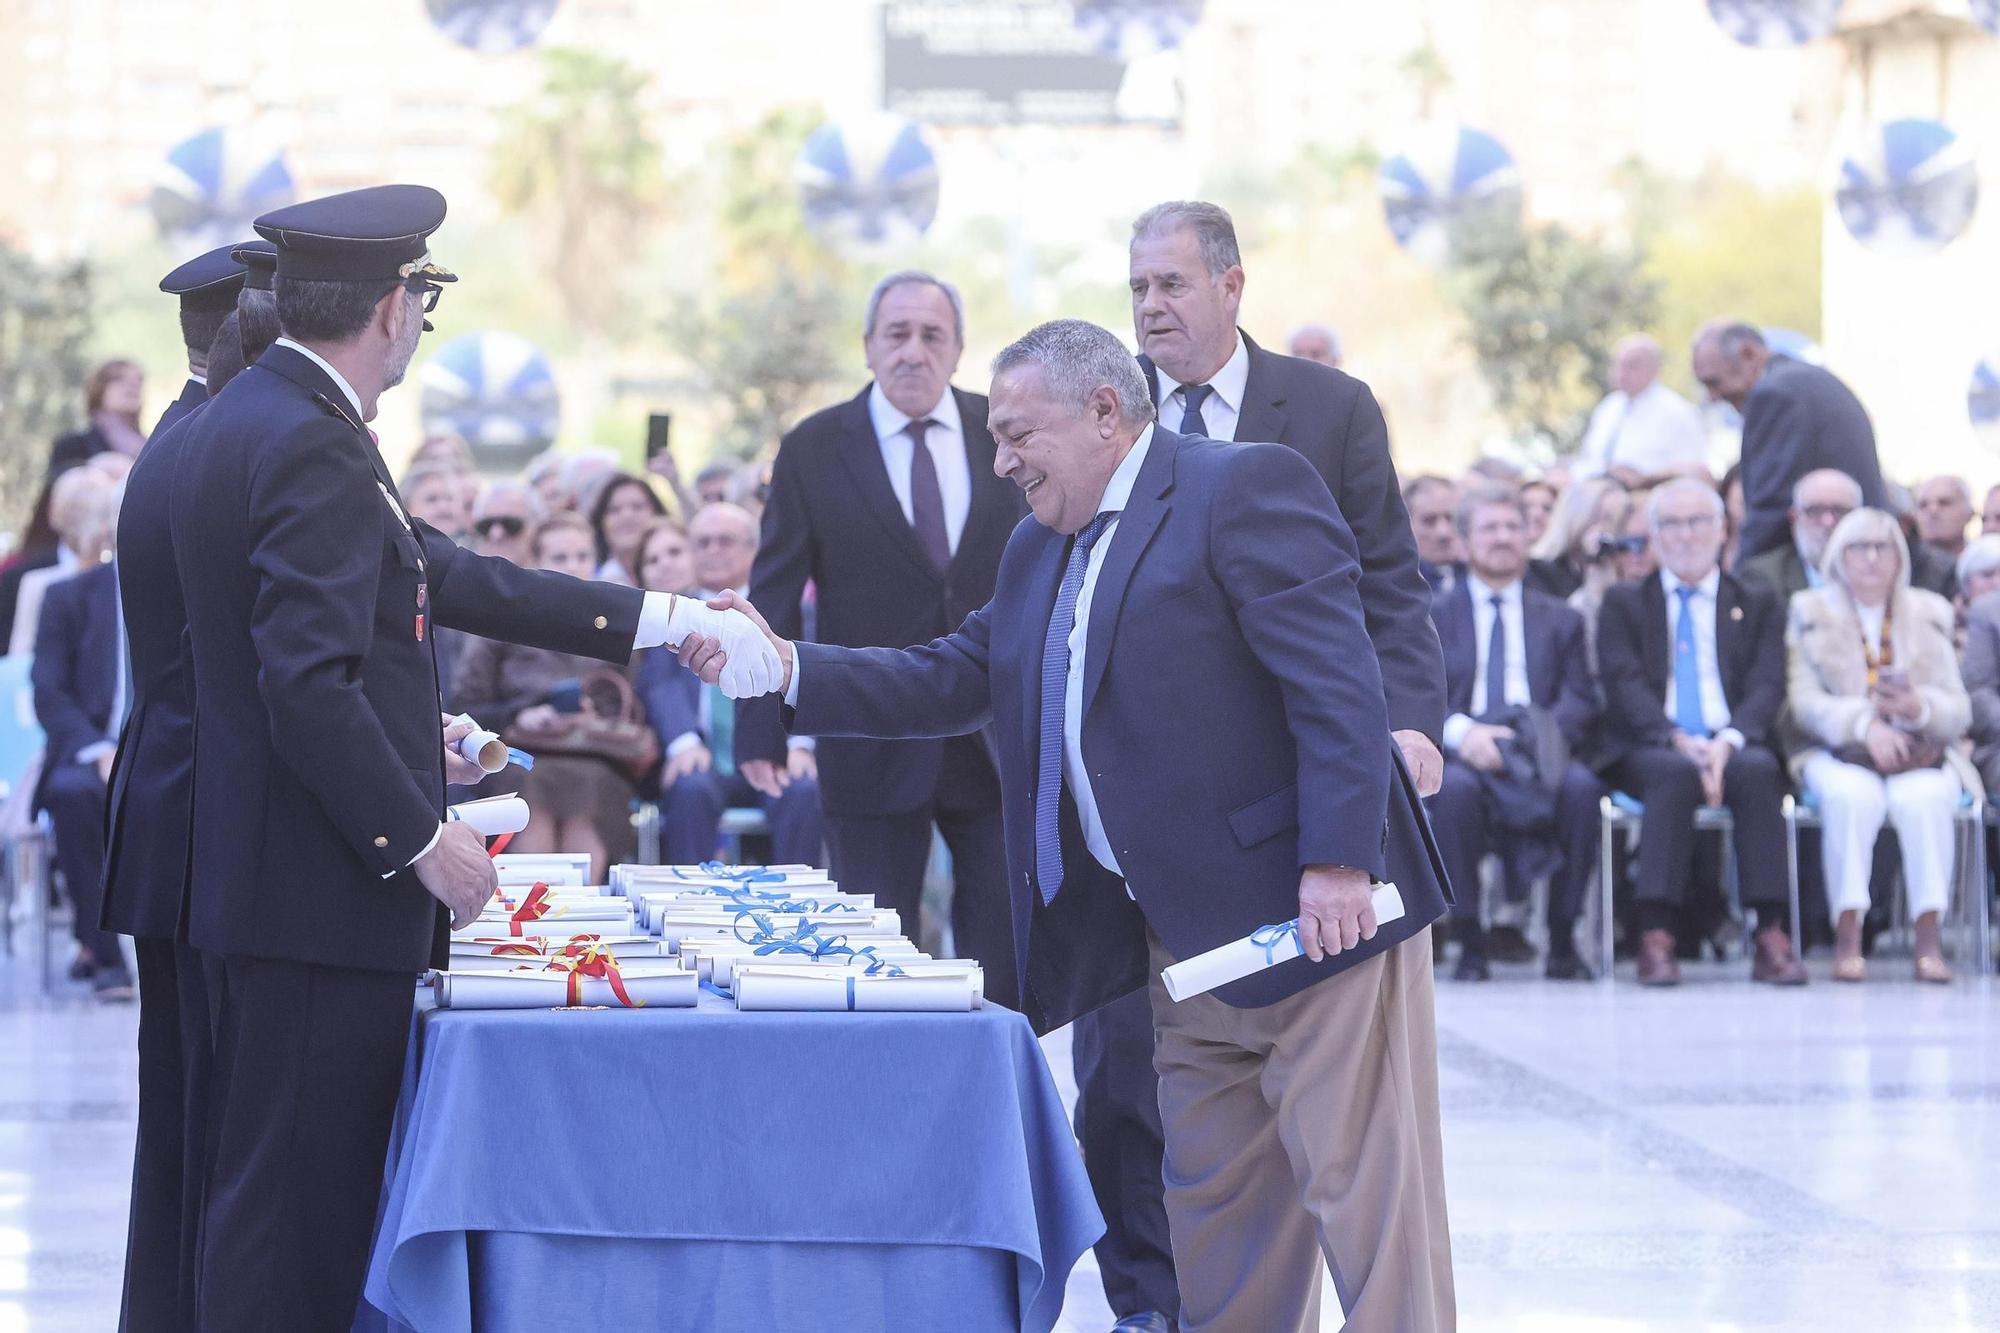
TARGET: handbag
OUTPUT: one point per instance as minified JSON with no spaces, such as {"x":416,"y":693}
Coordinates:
{"x":1925,"y":752}
{"x":609,"y":726}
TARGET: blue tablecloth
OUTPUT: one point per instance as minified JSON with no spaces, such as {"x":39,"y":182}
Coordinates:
{"x":705,"y":1169}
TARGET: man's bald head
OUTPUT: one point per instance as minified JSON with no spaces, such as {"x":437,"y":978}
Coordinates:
{"x":1729,"y":357}
{"x":1635,"y":363}
{"x":724,"y":538}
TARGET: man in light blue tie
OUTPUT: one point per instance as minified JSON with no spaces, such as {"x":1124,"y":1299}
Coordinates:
{"x":1193,"y":742}
{"x":1693,"y":664}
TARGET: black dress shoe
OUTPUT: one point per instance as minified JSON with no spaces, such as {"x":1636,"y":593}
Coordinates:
{"x":1472,"y":967}
{"x":1506,"y":944}
{"x":1569,"y":967}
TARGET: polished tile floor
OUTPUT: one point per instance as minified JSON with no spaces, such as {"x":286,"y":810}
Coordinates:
{"x":1718,"y":1158}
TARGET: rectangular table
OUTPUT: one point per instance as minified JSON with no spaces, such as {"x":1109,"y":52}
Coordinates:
{"x":670,"y":1169}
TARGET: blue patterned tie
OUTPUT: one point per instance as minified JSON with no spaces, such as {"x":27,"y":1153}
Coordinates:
{"x":1055,"y":687}
{"x":1192,"y":397}
{"x":1687,"y":670}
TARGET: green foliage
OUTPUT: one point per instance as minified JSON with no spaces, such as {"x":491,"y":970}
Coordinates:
{"x":767,"y":355}
{"x":579,"y":160}
{"x":1543,"y":309}
{"x":45,"y":325}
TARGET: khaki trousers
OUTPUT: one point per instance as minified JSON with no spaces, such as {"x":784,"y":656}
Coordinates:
{"x":1308,"y":1128}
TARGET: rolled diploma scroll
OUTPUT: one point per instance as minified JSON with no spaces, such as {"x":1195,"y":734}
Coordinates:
{"x":1232,"y":962}
{"x":492,"y":816}
{"x":722,"y":964}
{"x":831,"y":989}
{"x":658,"y":987}
{"x":484,"y":749}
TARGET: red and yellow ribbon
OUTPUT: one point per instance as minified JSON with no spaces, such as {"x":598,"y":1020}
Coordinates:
{"x":587,"y":956}
{"x":533,"y":908}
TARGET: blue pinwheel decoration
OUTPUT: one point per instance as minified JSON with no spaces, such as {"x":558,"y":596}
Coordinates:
{"x":868,"y":182}
{"x":1910,"y":187}
{"x":1452,"y":176}
{"x":211,"y":186}
{"x":491,"y":27}
{"x":497,"y":392}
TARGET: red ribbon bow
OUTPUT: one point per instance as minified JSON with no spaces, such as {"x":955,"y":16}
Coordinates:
{"x":586,"y":956}
{"x":533,"y":908}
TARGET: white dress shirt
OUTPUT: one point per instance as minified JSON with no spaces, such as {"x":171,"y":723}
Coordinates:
{"x":202,"y":380}
{"x":1221,"y":410}
{"x":1655,"y":431}
{"x":1518,"y":694}
{"x":946,"y":441}
{"x":1708,"y":662}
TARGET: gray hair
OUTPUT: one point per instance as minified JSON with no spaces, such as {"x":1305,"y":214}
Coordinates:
{"x":530,"y":498}
{"x":907,"y":277}
{"x":1214,"y":233}
{"x":1682,"y":486}
{"x":327,"y":310}
{"x":1477,"y":498}
{"x":1077,"y":358}
{"x":1730,"y":335}
{"x":1980,"y":556}
{"x":1865,"y":524}
{"x":1326,"y":331}
{"x":1799,"y":486}
{"x":1424,"y":481}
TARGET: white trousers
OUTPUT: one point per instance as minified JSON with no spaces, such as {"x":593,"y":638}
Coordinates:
{"x":1854,"y":801}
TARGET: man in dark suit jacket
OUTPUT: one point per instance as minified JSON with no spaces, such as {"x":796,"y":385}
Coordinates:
{"x":320,"y":868}
{"x":1693,"y":665}
{"x":1796,"y":418}
{"x":77,"y":682}
{"x":1186,"y":280}
{"x":1187,"y":755}
{"x":888,"y":503}
{"x":1528,"y":649}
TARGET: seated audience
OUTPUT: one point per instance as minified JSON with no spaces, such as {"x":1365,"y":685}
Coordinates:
{"x":1930,"y":569}
{"x":1514,"y":667}
{"x":1694,"y":676}
{"x":1580,"y":544}
{"x":543,"y":476}
{"x":113,"y":395}
{"x":1820,"y":499}
{"x":80,"y":691}
{"x":1979,"y":660}
{"x":432,"y":492}
{"x":1432,"y":503}
{"x":666,"y":562}
{"x":625,"y":507}
{"x":1731,"y":487}
{"x":1314,"y":342}
{"x":1944,"y":509}
{"x":37,"y":547}
{"x":711,"y":484}
{"x":1538,"y":498}
{"x":696,"y":723}
{"x":578,"y":801}
{"x":502,"y":518}
{"x":76,"y":501}
{"x":1989,"y":514}
{"x":1877,"y":707}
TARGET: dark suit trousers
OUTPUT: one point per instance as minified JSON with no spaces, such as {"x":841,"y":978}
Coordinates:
{"x":174,"y":1072}
{"x":308,"y":1060}
{"x":1461,"y":821}
{"x":1667,"y":783}
{"x":691,"y":811}
{"x":1124,"y":1149}
{"x":74,"y":798}
{"x":885,"y":855}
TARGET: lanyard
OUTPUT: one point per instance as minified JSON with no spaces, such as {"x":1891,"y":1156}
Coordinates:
{"x":1887,"y":654}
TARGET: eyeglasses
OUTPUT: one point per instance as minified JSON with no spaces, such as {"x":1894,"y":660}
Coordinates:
{"x":506,"y":523}
{"x":1871,"y":550}
{"x":1691,"y":524}
{"x":1826,"y":513}
{"x":718,"y":541}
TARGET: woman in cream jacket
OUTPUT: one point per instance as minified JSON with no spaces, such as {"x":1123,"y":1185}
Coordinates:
{"x":1876,"y":710}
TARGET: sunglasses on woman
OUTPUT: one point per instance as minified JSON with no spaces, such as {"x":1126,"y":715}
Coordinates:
{"x":506,"y":523}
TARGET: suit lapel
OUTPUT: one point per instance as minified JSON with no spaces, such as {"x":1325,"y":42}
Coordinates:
{"x":1136,"y":525}
{"x":1536,"y":653}
{"x":1659,"y":653}
{"x":995,"y":505}
{"x":1728,"y":621}
{"x":862,"y":454}
{"x":301,"y":371}
{"x":1263,"y":417}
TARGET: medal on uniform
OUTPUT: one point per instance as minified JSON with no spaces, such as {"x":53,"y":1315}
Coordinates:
{"x":422,"y":594}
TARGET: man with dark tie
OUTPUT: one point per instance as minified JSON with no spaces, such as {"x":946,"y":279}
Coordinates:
{"x":1192,"y":745}
{"x":1433,"y":505}
{"x":889,"y":506}
{"x":1208,"y":377}
{"x":1693,"y":665}
{"x":322,"y":880}
{"x":696,"y":725}
{"x":1508,"y":648}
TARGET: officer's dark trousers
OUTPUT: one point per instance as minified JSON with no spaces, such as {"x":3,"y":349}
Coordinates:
{"x":174,"y":1074}
{"x":308,"y":1060}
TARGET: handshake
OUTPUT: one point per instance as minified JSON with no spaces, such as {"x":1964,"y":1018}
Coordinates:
{"x":726,"y":642}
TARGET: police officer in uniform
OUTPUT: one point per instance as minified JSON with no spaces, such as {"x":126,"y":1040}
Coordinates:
{"x":145,"y":866}
{"x":322,"y":879}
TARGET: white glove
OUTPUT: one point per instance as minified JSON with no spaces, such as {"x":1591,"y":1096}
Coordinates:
{"x":753,"y":665}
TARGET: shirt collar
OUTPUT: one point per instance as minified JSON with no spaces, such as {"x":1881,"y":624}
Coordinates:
{"x":202,"y":380}
{"x":1511,"y":594}
{"x":1229,"y":382}
{"x":1118,"y":491}
{"x":1707,"y":587}
{"x":309,"y":354}
{"x":888,"y":419}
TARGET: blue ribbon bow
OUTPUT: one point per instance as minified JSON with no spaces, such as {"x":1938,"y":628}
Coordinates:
{"x":1272,"y":938}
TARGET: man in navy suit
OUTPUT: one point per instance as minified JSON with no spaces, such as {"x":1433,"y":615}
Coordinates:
{"x":1187,"y":754}
{"x":1508,"y":647}
{"x":208,"y":286}
{"x":77,"y":676}
{"x":887,"y":504}
{"x":1797,"y":418}
{"x":1693,"y":665}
